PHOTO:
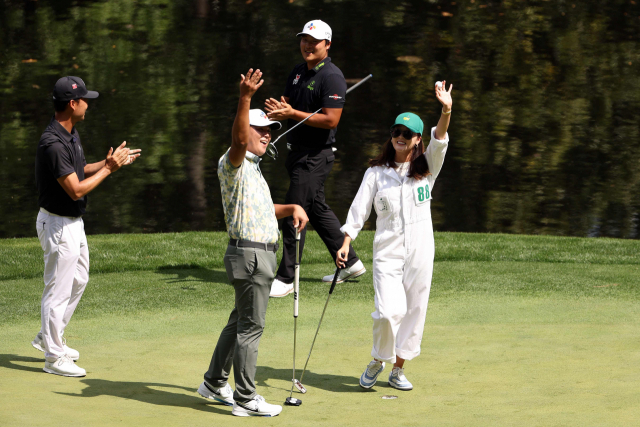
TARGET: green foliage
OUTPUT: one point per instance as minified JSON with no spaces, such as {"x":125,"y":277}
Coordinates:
{"x":543,"y":136}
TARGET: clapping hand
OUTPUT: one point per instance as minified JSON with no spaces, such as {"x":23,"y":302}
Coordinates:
{"x":278,"y":110}
{"x":118,"y":158}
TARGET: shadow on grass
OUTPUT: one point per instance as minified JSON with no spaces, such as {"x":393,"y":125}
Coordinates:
{"x":149,"y":393}
{"x":185,"y":273}
{"x":333,"y":383}
{"x":9,"y":361}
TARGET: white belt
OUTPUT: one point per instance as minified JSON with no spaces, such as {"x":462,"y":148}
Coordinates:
{"x":43,"y":210}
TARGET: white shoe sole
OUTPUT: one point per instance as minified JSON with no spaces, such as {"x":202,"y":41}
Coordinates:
{"x":207,"y":394}
{"x":290,"y":291}
{"x":242,"y":413}
{"x":397,"y":387}
{"x":352,"y":276}
{"x":51,"y":371}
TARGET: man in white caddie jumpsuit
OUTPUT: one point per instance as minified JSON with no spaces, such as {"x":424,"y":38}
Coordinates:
{"x":403,"y":247}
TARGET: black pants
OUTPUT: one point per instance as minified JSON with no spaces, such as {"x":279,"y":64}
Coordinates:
{"x":308,"y":170}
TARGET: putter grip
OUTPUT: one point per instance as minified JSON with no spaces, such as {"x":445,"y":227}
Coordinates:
{"x":335,"y":278}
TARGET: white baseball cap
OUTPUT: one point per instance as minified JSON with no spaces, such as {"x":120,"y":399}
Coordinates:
{"x":257,"y":117}
{"x":317,"y":29}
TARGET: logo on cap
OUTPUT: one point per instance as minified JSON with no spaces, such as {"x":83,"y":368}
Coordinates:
{"x":406,"y":118}
{"x":311,"y":26}
{"x":263,"y":115}
{"x":74,"y":86}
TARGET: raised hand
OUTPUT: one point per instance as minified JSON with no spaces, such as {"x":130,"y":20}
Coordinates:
{"x":250,"y":83}
{"x":444,"y":96}
{"x":118,"y":158}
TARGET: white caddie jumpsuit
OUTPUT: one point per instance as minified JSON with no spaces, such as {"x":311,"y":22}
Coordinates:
{"x":403,"y":251}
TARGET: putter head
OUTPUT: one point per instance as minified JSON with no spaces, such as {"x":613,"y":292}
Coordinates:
{"x":272,"y":151}
{"x":292,"y":401}
{"x":299,"y":386}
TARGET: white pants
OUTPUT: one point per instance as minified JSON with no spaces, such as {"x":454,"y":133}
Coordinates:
{"x":402,"y":282}
{"x":66,"y":273}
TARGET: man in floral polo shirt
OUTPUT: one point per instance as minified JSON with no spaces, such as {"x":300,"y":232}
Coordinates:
{"x":250,"y":260}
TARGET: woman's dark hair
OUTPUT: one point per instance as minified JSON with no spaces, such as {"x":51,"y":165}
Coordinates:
{"x":60,"y":106}
{"x":418,"y":169}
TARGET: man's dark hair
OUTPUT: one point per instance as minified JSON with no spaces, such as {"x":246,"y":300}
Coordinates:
{"x":60,"y":106}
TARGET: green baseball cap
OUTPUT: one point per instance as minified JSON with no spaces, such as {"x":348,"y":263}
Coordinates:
{"x":411,"y":121}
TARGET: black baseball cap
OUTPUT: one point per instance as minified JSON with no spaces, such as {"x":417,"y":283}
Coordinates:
{"x":70,"y":87}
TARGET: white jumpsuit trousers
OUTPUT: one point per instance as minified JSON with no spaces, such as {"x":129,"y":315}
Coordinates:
{"x":403,"y":252}
{"x":66,"y":273}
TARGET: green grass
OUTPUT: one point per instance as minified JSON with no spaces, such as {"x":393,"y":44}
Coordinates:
{"x":521,"y":330}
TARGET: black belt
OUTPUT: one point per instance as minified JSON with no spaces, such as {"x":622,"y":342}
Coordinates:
{"x":303,"y":148}
{"x":273,"y":247}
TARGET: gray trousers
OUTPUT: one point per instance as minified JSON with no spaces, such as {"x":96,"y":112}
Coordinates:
{"x":251,"y":272}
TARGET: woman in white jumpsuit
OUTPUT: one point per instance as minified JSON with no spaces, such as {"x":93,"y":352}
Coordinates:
{"x":399,"y":186}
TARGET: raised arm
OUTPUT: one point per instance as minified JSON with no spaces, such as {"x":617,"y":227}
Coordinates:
{"x":241,"y":132}
{"x":444,"y":96}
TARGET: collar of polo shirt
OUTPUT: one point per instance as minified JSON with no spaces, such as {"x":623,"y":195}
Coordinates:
{"x":252,"y":157}
{"x":63,"y":133}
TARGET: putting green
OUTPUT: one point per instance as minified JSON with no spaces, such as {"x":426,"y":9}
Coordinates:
{"x":486,"y":361}
{"x":521,"y":330}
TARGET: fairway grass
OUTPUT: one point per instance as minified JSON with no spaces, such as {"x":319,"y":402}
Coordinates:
{"x":513,"y":339}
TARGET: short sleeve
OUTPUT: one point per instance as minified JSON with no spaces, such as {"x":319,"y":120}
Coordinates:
{"x":334,"y":91}
{"x":226,"y":169}
{"x":58,"y":160}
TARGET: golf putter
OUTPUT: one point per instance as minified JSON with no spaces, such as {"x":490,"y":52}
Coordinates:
{"x":292,"y":401}
{"x":333,"y":285}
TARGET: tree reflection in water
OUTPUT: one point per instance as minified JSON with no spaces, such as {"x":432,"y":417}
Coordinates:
{"x":544,"y":133}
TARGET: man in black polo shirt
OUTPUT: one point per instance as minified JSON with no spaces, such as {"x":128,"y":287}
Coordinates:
{"x":64,"y":178}
{"x":314,"y":84}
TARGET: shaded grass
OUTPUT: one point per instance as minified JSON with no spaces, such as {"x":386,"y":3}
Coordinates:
{"x":22,"y":258}
{"x":200,"y":288}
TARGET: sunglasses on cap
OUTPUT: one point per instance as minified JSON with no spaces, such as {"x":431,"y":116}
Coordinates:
{"x":407,"y":134}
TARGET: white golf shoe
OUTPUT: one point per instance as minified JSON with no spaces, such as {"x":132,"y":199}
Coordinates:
{"x":38,"y":344}
{"x":256,"y":407}
{"x":220,"y":394}
{"x":352,"y":272}
{"x":370,"y":375}
{"x":280,"y":289}
{"x":64,"y":366}
{"x":398,"y":381}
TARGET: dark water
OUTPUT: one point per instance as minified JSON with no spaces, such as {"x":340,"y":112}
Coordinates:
{"x":545,"y":131}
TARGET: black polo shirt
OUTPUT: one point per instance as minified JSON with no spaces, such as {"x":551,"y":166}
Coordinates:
{"x":59,"y":153}
{"x":309,"y":90}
